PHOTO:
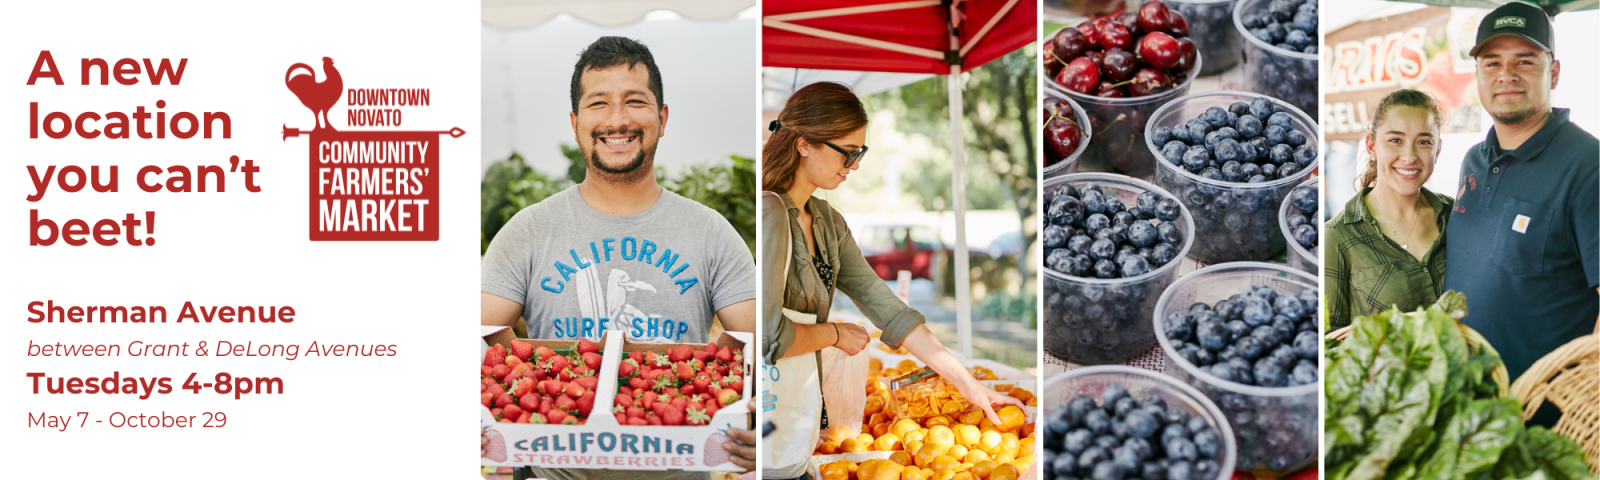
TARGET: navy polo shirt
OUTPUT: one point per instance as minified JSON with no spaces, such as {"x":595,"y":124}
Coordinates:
{"x":1523,"y":241}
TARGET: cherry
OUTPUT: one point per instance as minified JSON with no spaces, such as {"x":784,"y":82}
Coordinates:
{"x":1186,"y":57}
{"x":1080,"y":75}
{"x":1098,"y":58}
{"x":1131,"y":21}
{"x":1120,"y":64}
{"x":1091,"y":37}
{"x":1069,"y":44}
{"x":1114,"y":35}
{"x":1149,"y":81}
{"x":1159,"y":50}
{"x":1111,"y":90}
{"x":1055,"y":106}
{"x":1051,"y":64}
{"x":1155,"y":17}
{"x":1178,"y":26}
{"x":1063,"y":136}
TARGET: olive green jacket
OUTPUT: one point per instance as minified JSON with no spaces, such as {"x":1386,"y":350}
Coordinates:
{"x":1368,"y":273}
{"x":801,"y":289}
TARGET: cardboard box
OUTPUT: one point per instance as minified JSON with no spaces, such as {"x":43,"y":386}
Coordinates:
{"x":603,"y":444}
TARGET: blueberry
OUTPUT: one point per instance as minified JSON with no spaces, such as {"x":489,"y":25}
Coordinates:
{"x":1297,"y":39}
{"x":1306,"y":235}
{"x":1180,"y":448}
{"x":1227,"y":353}
{"x":1059,"y":260}
{"x":1289,"y":305}
{"x":1055,"y":236}
{"x":1275,"y":135}
{"x":1308,"y":297}
{"x":1204,"y":357}
{"x":1135,"y":266}
{"x":1281,"y":119}
{"x":1239,"y":108}
{"x":1295,"y":219}
{"x":1169,"y":233}
{"x":1261,"y":107}
{"x":1216,"y":117}
{"x":1304,"y":372}
{"x":1082,"y":266}
{"x":1140,"y":423}
{"x":1113,"y":392}
{"x":1123,"y":405}
{"x":1102,"y":249}
{"x":1065,"y":465}
{"x":1207,"y":443}
{"x":1163,"y":253}
{"x":1179,"y":327}
{"x":1268,"y":336}
{"x":1143,"y":234}
{"x":1197,"y":130}
{"x":1078,"y":408}
{"x":1180,"y":133}
{"x":1097,"y":421}
{"x":1173,"y":152}
{"x":1205,"y":469}
{"x":1275,"y":33}
{"x":1196,"y":158}
{"x":1228,"y":151}
{"x":1250,"y":170}
{"x":1155,"y":401}
{"x":1198,"y":307}
{"x":1248,"y":125}
{"x":1079,"y":244}
{"x":1172,"y":431}
{"x":1076,"y":441}
{"x":1281,"y":154}
{"x":1287,"y":170}
{"x":1213,"y":336}
{"x":1305,"y":155}
{"x":1179,"y":470}
{"x":1222,"y":371}
{"x":1106,"y":471}
{"x":1090,"y":188}
{"x":1161,"y":135}
{"x":1268,"y":170}
{"x":1096,"y":222}
{"x":1211,"y":173}
{"x":1108,"y":442}
{"x":1258,"y":178}
{"x":1122,"y":218}
{"x":1249,"y":153}
{"x":1066,"y":190}
{"x":1090,"y":457}
{"x":1304,"y":198}
{"x":1065,"y":210}
{"x":1127,"y":460}
{"x":1105,"y":268}
{"x":1238,"y":328}
{"x":1167,"y":210}
{"x":1093,"y":203}
{"x":1212,"y":139}
{"x":1269,"y":372}
{"x":1056,"y":427}
{"x":1249,"y":348}
{"x":1228,"y":133}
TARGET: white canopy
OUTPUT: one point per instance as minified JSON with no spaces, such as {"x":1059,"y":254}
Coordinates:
{"x":518,"y":14}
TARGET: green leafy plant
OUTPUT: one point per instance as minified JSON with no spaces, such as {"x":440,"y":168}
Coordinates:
{"x":509,"y":186}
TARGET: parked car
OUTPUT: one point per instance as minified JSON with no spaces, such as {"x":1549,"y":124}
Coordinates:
{"x":892,"y":248}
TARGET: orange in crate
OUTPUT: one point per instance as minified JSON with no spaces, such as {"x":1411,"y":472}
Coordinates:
{"x":957,"y":452}
{"x":1004,"y":472}
{"x":925,"y":455}
{"x":983,"y":468}
{"x":976,"y":456}
{"x":887,"y":442}
{"x":963,"y":476}
{"x":1021,"y":394}
{"x":902,"y":457}
{"x":879,"y":429}
{"x":903,"y":427}
{"x":1011,"y":417}
{"x":913,"y":473}
{"x":828,"y":448}
{"x":850,"y":445}
{"x":937,"y":421}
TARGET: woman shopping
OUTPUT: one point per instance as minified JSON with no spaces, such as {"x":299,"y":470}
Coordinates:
{"x":1387,"y":247}
{"x":808,"y":253}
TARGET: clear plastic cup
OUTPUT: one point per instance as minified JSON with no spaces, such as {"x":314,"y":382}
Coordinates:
{"x":1235,"y":221}
{"x":1298,"y":257}
{"x":1140,"y":383}
{"x":1119,"y":126}
{"x":1069,"y":164}
{"x":1210,"y":26}
{"x":1272,"y":71}
{"x":1092,"y":321}
{"x":1275,"y":428}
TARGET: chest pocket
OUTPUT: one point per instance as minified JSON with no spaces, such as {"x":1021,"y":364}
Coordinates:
{"x":1522,"y":230}
{"x":1378,"y":288}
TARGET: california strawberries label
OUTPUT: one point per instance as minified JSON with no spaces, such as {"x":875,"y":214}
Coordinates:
{"x":367,"y":185}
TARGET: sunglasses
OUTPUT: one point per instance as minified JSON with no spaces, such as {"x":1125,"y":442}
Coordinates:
{"x":850,"y":158}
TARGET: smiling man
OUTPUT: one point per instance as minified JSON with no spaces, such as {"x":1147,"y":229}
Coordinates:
{"x":617,"y":253}
{"x":1524,"y":231}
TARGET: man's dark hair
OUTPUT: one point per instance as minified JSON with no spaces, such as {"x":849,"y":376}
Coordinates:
{"x":612,"y":51}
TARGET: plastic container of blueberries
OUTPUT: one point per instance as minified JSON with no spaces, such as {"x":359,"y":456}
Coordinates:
{"x":1272,"y":71}
{"x":1119,"y":126}
{"x":1093,"y":321}
{"x":1209,"y":27}
{"x":1298,"y":257}
{"x":1235,"y":221}
{"x":1140,"y":383}
{"x":1069,"y":164}
{"x":1275,"y":429}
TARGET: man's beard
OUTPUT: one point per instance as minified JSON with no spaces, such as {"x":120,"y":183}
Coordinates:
{"x":633,"y":170}
{"x":1514,"y":117}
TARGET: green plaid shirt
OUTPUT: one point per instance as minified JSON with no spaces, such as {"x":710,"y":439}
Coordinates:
{"x":1368,"y":273}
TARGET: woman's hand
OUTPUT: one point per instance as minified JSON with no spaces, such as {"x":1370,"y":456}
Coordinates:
{"x":983,"y":396}
{"x":852,"y":338}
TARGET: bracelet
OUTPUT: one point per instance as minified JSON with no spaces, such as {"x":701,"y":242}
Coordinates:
{"x":835,"y":335}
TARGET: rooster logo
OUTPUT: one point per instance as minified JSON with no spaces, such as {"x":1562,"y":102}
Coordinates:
{"x":317,"y":96}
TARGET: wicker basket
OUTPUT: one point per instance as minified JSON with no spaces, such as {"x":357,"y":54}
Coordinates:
{"x":1500,"y":375}
{"x":1568,"y":378}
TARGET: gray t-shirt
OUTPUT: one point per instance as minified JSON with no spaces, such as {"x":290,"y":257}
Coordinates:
{"x":656,"y":276}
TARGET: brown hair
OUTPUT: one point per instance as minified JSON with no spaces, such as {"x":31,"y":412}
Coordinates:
{"x":1404,"y":97}
{"x":817,"y":112}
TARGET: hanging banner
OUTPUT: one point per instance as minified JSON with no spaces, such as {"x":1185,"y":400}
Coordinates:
{"x":1423,"y":50}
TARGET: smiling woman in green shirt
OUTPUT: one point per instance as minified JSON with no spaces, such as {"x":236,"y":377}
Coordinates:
{"x":1387,"y":247}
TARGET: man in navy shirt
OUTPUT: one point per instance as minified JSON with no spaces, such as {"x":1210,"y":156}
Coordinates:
{"x":1525,"y":227}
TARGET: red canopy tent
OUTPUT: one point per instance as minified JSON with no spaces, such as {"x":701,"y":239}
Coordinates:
{"x":940,"y":37}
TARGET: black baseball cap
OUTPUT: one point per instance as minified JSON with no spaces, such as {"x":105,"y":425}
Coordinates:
{"x":1516,"y":18}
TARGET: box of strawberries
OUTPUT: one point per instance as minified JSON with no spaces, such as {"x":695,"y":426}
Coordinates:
{"x":616,"y":404}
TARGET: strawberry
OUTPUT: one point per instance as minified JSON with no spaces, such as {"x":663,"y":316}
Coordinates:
{"x":551,"y":387}
{"x":529,"y":403}
{"x":627,"y":369}
{"x":701,"y":383}
{"x":486,"y":371}
{"x":623,"y":391}
{"x":511,"y":411}
{"x":587,"y":383}
{"x":555,"y":416}
{"x":680,"y":353}
{"x":496,"y":412}
{"x":512,"y":361}
{"x":711,"y":408}
{"x":653,"y":421}
{"x":738,"y":357}
{"x":567,"y":375}
{"x":662,"y":382}
{"x":546,"y":404}
{"x":711,"y":348}
{"x":726,"y":396}
{"x":637,"y":421}
{"x":522,"y":387}
{"x":670,"y":392}
{"x":724,"y":369}
{"x":565,"y":403}
{"x":733,"y":382}
{"x":715,"y":377}
{"x":585,"y":346}
{"x":637,"y":356}
{"x":701,"y":355}
{"x":559,"y":363}
{"x":697,"y":416}
{"x":500,"y":371}
{"x":635,"y":412}
{"x":543,"y":352}
{"x":661,"y":361}
{"x":592,"y":360}
{"x":585,"y":404}
{"x":648,"y":400}
{"x":638,"y":383}
{"x":495,"y":389}
{"x":684,"y":371}
{"x":573,"y":390}
{"x":503,"y":399}
{"x":723,"y":355}
{"x":581,"y":371}
{"x":686,"y":390}
{"x":680,"y":402}
{"x":621,"y":419}
{"x":540,"y":375}
{"x":672,"y":415}
{"x":496,"y":356}
{"x":699,"y":398}
{"x":522,"y":350}
{"x":537,"y":418}
{"x":488,"y":399}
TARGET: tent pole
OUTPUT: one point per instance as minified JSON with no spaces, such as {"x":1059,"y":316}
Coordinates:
{"x":958,"y":196}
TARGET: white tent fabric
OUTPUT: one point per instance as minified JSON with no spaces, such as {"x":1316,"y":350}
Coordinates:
{"x":778,"y":83}
{"x":518,"y":14}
